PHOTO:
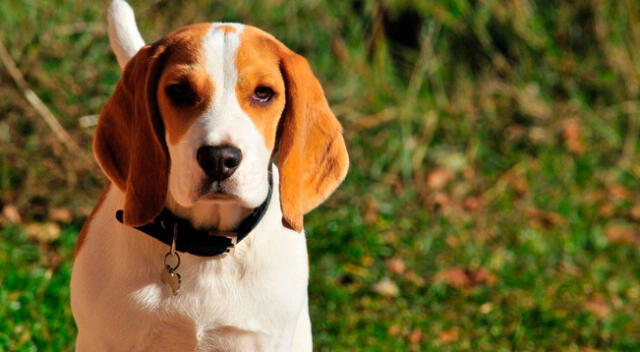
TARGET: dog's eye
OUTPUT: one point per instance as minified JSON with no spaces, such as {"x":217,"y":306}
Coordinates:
{"x":263,"y":94}
{"x":181,"y":93}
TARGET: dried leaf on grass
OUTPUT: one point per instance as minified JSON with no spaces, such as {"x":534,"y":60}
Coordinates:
{"x":472,"y":203}
{"x":11,"y":213}
{"x":43,"y":232}
{"x":386,"y":287}
{"x":442,"y":200}
{"x":450,"y":335}
{"x":617,"y":233}
{"x":371,"y":211}
{"x":486,"y":308}
{"x":515,"y":132}
{"x":514,"y":180}
{"x":396,"y":265}
{"x":618,"y":192}
{"x":545,"y":218}
{"x":439,"y":178}
{"x":634,"y":212}
{"x":394,"y":330}
{"x":51,"y":256}
{"x":532,"y":103}
{"x":572,"y":134}
{"x":598,"y":307}
{"x":415,"y":337}
{"x":452,"y":241}
{"x":414,"y":278}
{"x":390,"y":237}
{"x":60,"y":215}
{"x":367,"y":260}
{"x":466,"y":278}
{"x":607,"y":210}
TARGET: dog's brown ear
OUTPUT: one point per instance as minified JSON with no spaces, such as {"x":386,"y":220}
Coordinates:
{"x":313,"y":158}
{"x":129,"y":141}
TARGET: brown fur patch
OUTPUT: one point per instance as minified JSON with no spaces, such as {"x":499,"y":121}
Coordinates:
{"x":82,"y":235}
{"x":129,"y":139}
{"x":313,"y":157}
{"x":185,"y":63}
{"x":258,"y":65}
{"x":129,"y":143}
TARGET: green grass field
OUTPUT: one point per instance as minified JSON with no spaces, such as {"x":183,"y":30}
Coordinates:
{"x":492,"y":199}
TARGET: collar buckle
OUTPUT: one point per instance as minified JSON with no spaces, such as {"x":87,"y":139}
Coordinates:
{"x":232,"y":247}
{"x":233,"y":236}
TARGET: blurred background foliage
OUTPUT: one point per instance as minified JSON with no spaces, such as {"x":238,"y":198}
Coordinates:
{"x":491,"y":204}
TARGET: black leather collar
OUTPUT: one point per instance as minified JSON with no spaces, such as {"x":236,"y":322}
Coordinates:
{"x":203,"y":243}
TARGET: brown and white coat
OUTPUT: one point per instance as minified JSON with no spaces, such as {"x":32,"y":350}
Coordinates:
{"x":212,"y":84}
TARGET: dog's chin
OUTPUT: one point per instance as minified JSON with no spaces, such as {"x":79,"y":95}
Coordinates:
{"x":225,"y":192}
{"x":213,"y":191}
{"x":218,"y":197}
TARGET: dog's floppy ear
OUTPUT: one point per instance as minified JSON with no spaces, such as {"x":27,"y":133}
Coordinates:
{"x":313,"y":158}
{"x":129,"y":141}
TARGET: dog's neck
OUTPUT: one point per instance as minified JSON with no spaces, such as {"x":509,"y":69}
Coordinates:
{"x":223,"y":216}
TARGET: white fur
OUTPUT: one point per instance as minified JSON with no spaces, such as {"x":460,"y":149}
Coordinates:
{"x":124,"y":35}
{"x":253,"y":299}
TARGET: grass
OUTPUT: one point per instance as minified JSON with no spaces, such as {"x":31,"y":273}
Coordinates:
{"x":491,"y":204}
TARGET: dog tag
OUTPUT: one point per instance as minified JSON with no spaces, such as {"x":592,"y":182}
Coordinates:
{"x":169,"y":275}
{"x":171,"y":279}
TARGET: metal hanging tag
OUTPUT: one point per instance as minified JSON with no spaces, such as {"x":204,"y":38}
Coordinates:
{"x":170,"y":276}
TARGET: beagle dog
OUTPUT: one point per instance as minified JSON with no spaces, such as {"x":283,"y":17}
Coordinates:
{"x":216,"y":141}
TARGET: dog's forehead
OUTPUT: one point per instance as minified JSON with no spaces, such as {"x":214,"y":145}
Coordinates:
{"x":217,"y":58}
{"x":189,"y":44}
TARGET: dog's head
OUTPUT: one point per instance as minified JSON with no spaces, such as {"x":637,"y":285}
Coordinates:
{"x":199,"y":114}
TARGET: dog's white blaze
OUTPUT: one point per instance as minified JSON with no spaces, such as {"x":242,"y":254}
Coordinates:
{"x":224,"y":123}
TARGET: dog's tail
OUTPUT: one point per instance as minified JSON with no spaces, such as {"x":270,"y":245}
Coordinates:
{"x":124,"y":35}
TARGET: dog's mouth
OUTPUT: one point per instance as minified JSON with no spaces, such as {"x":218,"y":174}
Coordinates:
{"x":215,"y":191}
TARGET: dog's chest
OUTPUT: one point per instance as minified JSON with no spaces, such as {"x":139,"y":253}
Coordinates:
{"x":219,"y":308}
{"x":249,"y":300}
{"x":224,"y":306}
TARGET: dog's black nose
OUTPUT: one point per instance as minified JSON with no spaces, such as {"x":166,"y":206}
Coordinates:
{"x":219,"y":162}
